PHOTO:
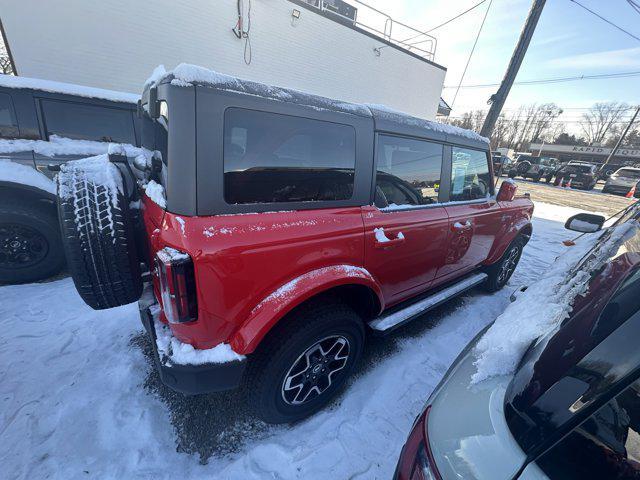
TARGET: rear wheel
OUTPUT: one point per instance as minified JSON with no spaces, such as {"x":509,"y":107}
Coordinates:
{"x":302,"y":365}
{"x":501,"y":271}
{"x":30,"y":244}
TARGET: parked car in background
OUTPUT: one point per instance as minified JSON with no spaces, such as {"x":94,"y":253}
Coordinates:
{"x":501,"y":163}
{"x":577,"y":175}
{"x":279,"y":226}
{"x":622,"y":181}
{"x":535,"y":167}
{"x":46,"y":123}
{"x":571,"y":410}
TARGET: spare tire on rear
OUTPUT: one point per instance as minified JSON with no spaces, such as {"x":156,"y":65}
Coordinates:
{"x":97,"y":233}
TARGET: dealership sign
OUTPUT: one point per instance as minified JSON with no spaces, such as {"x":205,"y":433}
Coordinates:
{"x":605,"y":151}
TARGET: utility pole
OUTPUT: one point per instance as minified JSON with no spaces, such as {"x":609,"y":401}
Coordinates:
{"x":621,"y":139}
{"x":497,"y":100}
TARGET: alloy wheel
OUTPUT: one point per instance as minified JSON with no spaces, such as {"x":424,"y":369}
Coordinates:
{"x":21,"y":246}
{"x":509,"y":265}
{"x":313,"y":372}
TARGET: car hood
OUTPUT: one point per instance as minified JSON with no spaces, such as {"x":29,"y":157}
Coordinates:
{"x":468,"y":433}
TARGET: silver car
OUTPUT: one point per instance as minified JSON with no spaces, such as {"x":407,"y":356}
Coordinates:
{"x":622,"y":181}
{"x":571,"y":410}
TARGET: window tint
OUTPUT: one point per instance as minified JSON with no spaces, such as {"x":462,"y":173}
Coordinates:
{"x":88,"y":122}
{"x":470,"y":177}
{"x":8,"y":124}
{"x":408,"y":171}
{"x":606,"y":445}
{"x":280,"y":158}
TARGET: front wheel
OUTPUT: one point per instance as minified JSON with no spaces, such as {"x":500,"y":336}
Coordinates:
{"x":302,"y":366}
{"x":501,"y":271}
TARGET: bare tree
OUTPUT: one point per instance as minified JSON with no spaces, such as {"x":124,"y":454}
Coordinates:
{"x":598,"y":122}
{"x":5,"y":61}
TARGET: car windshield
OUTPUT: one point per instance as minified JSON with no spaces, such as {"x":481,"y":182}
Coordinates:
{"x":628,"y":173}
{"x":577,"y":169}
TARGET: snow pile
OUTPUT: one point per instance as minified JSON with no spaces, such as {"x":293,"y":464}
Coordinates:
{"x":544,"y":305}
{"x":97,"y":170}
{"x":67,"y":146}
{"x":173,"y":350}
{"x":18,"y":173}
{"x":169,"y":255}
{"x":381,"y":236}
{"x":155,"y":192}
{"x":158,"y":74}
{"x":12,"y":81}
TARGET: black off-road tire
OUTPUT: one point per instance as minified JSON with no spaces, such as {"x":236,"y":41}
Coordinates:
{"x":99,"y":242}
{"x":269,"y":365}
{"x":509,"y":260}
{"x":37,"y":226}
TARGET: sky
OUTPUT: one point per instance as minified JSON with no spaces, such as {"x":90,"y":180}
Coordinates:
{"x":568,"y":41}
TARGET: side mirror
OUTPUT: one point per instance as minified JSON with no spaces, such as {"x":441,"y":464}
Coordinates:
{"x":507,"y":191}
{"x":585,"y":223}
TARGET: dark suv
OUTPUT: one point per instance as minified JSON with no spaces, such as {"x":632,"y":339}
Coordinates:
{"x":577,"y":175}
{"x":277,"y":227}
{"x":46,"y":123}
{"x":534,"y":167}
{"x":569,"y":407}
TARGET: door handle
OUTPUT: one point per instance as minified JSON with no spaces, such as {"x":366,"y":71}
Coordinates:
{"x":462,"y":227}
{"x":384,"y":242}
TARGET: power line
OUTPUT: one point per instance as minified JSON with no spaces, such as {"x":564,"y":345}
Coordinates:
{"x":555,"y":80}
{"x":471,"y":54}
{"x":442,"y":24}
{"x":634,"y":4}
{"x":605,"y":20}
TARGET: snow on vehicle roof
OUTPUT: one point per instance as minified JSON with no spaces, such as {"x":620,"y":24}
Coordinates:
{"x":188,"y":75}
{"x":12,"y":81}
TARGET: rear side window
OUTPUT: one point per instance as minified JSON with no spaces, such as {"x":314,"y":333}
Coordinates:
{"x":606,"y":445}
{"x":88,"y":122}
{"x":408,"y":171}
{"x":470,"y":178}
{"x":271,"y":158}
{"x":8,"y":123}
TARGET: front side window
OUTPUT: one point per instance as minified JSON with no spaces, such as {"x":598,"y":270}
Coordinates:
{"x":8,"y":124}
{"x":272,"y":158}
{"x":470,"y":177}
{"x":606,"y":445}
{"x":408,"y":171}
{"x":81,"y":121}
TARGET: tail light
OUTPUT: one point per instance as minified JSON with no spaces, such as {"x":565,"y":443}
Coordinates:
{"x":416,"y":461}
{"x":177,"y":285}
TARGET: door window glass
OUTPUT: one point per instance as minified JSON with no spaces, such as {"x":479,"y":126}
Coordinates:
{"x":88,"y":122}
{"x":270,"y":158}
{"x":470,"y":178}
{"x":8,"y":124}
{"x":408,"y":171}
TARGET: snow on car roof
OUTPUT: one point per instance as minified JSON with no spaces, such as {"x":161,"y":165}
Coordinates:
{"x":12,"y":81}
{"x":188,"y":75}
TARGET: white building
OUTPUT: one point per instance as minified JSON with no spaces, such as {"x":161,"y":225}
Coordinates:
{"x":327,"y":47}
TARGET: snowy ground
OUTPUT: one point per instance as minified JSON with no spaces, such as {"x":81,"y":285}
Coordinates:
{"x":80,"y":399}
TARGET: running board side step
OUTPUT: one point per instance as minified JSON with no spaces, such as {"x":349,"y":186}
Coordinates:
{"x":393,"y":320}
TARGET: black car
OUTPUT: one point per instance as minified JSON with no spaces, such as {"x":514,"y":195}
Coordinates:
{"x":577,"y":175}
{"x":46,"y":123}
{"x":534,"y":167}
{"x":571,"y":408}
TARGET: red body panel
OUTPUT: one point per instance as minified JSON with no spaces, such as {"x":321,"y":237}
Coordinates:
{"x":252,"y":269}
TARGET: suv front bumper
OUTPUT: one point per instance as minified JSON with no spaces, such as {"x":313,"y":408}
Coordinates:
{"x":192,"y":379}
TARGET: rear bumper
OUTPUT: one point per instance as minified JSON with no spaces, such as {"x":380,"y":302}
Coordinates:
{"x":192,"y":379}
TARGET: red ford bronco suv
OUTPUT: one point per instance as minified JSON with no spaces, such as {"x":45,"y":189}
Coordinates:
{"x":276,"y":228}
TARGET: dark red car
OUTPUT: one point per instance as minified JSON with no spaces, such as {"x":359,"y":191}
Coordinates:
{"x":279,"y":227}
{"x":571,"y":409}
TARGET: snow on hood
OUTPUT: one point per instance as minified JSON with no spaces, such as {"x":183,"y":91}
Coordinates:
{"x":544,"y":305}
{"x":12,"y":81}
{"x":18,"y":173}
{"x":66,"y":146}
